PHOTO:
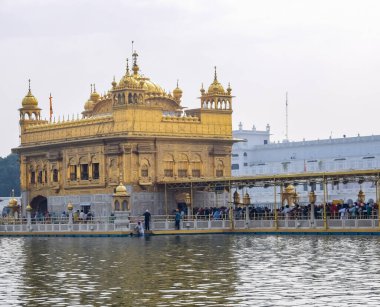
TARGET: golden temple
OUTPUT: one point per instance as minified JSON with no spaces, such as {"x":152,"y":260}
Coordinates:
{"x":134,"y":136}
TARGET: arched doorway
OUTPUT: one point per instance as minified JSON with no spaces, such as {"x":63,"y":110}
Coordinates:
{"x":39,"y":204}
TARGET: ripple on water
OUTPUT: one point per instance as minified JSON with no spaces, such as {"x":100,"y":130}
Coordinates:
{"x":205,"y":270}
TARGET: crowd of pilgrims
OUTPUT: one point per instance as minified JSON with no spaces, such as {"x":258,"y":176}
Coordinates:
{"x":257,"y":212}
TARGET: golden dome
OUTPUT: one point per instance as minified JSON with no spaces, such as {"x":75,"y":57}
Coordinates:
{"x":12,"y":203}
{"x":152,"y":88}
{"x":94,"y":96}
{"x":70,"y":206}
{"x":29,"y":100}
{"x":290,"y":189}
{"x":129,"y":81}
{"x":29,"y":207}
{"x":114,"y":82}
{"x":177,"y":93}
{"x":89,"y":105}
{"x":215,"y":87}
{"x":121,"y":190}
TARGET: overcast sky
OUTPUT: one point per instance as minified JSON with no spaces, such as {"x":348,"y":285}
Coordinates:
{"x":326,"y":54}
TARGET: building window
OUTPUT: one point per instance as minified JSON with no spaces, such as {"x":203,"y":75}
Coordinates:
{"x":168,"y":165}
{"x":196,"y":166}
{"x":235,"y":166}
{"x":245,"y":164}
{"x":219,"y":169}
{"x":33,"y":177}
{"x":73,"y":172}
{"x":168,"y":172}
{"x":265,"y":142}
{"x":55,"y":175}
{"x":39,"y":178}
{"x":196,"y":173}
{"x":245,"y":154}
{"x":84,"y":171}
{"x":46,"y":177}
{"x":182,"y":173}
{"x":95,"y":170}
{"x":183,"y":166}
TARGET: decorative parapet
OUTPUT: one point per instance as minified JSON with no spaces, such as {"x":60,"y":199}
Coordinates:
{"x":70,"y":123}
{"x":180,"y":119}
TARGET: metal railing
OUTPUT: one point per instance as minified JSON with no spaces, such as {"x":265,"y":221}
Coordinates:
{"x":196,"y":222}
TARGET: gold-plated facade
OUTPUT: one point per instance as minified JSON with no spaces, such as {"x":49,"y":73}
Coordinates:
{"x":135,"y":132}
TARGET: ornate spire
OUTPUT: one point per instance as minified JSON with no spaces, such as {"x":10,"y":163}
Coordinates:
{"x":91,"y":88}
{"x":135,"y":67}
{"x":215,"y":76}
{"x":127,"y":68}
{"x":29,"y":84}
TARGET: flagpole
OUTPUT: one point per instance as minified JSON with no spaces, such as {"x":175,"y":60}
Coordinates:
{"x":51,"y":106}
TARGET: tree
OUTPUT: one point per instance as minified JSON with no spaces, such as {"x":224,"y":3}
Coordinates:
{"x":9,"y":175}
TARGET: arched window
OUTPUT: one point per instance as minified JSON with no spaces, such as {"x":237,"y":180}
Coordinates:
{"x":32,"y":176}
{"x":219,"y":168}
{"x":196,"y":166}
{"x":124,"y":206}
{"x":73,"y":169}
{"x":183,"y":166}
{"x":55,"y":175}
{"x":130,"y":98}
{"x":144,"y":171}
{"x":168,"y":165}
{"x":117,"y":205}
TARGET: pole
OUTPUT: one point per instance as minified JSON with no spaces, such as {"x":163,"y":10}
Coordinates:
{"x":231,"y":208}
{"x":324,"y":203}
{"x":166,"y":202}
{"x":377,"y":201}
{"x":275,"y":205}
{"x":191,"y":200}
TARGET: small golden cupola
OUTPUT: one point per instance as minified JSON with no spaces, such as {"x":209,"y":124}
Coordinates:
{"x":177,"y":94}
{"x":89,"y":105}
{"x":30,"y":109}
{"x":215,"y":87}
{"x":128,"y":80}
{"x":94,"y":95}
{"x":216,"y":98}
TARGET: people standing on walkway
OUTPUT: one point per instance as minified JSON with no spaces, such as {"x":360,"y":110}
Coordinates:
{"x":147,"y":217}
{"x":177,"y":219}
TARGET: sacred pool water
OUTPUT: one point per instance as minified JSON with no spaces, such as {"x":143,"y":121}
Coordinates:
{"x":198,"y":270}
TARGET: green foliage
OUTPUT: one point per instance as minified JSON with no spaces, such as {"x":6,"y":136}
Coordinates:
{"x":9,"y":175}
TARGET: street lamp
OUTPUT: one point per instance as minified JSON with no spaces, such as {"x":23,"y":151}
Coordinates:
{"x":188,"y":203}
{"x":361,"y":196}
{"x":246,"y":203}
{"x":312,"y":200}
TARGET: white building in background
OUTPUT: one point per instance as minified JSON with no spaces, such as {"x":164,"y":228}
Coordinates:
{"x":256,"y":155}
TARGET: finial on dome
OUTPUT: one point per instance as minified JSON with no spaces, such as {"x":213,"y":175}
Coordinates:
{"x":229,"y":89}
{"x":29,"y":84}
{"x":127,"y":69}
{"x":91,"y":88}
{"x":134,"y":56}
{"x":215,"y":76}
{"x":177,"y":82}
{"x":135,"y":67}
{"x":94,"y":88}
